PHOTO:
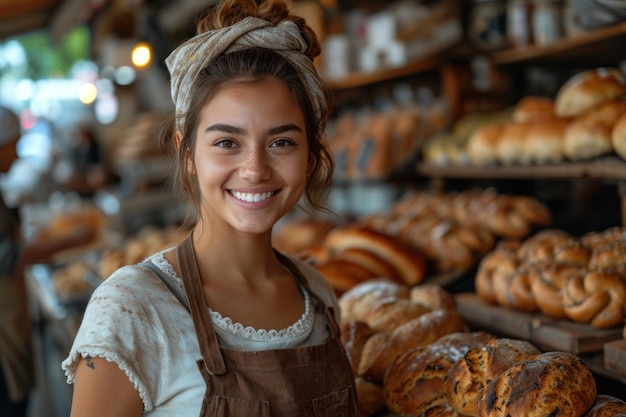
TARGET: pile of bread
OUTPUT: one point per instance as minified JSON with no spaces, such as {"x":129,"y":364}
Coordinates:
{"x":370,"y":144}
{"x":411,"y":354}
{"x":586,"y":119}
{"x":137,"y":247}
{"x":455,"y":230}
{"x":423,"y":233}
{"x":552,"y":272}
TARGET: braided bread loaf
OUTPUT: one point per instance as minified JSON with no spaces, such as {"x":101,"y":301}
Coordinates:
{"x":597,"y":298}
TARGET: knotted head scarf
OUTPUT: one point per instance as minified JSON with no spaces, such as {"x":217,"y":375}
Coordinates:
{"x":188,"y":60}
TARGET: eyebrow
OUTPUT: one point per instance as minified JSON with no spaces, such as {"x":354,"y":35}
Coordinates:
{"x":221,"y":127}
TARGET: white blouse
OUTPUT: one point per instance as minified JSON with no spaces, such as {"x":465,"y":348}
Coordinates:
{"x":132,"y":319}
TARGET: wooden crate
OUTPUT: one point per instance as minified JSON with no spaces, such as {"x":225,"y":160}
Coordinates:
{"x":615,"y":356}
{"x":544,"y":332}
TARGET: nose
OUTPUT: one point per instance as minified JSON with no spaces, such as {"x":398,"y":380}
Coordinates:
{"x":255,"y":167}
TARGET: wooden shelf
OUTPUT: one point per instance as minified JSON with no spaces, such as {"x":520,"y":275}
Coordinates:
{"x":611,"y":168}
{"x":596,"y":48}
{"x":360,"y":78}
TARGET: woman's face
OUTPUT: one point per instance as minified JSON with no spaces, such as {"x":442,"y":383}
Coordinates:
{"x":251,"y":156}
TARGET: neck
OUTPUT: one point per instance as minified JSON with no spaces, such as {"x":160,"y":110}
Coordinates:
{"x":233,"y":256}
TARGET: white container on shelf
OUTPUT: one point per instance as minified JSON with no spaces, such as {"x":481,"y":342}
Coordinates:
{"x":547,"y":21}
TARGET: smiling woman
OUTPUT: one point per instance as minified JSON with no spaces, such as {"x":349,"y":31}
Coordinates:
{"x":262,"y":325}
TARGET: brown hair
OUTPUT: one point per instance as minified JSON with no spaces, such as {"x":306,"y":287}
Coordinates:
{"x":252,"y":65}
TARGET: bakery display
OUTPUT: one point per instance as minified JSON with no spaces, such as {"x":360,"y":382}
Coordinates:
{"x":579,"y":124}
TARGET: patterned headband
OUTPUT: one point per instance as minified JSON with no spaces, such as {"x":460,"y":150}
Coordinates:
{"x":186,"y":61}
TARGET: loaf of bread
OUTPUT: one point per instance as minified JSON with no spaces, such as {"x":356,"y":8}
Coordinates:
{"x":496,"y":265}
{"x":511,"y":148}
{"x":482,"y":144}
{"x":607,"y":406}
{"x":479,"y":366}
{"x":548,"y":384}
{"x":544,"y":142}
{"x":369,"y":397}
{"x":597,"y":298}
{"x":409,"y":262}
{"x":590,"y":135}
{"x":618,"y":136}
{"x":414,"y":382}
{"x":587,"y":90}
{"x":354,"y":335}
{"x":533,"y":109}
{"x":357,"y":302}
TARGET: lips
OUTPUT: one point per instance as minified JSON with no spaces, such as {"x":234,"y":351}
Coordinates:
{"x":252,"y":197}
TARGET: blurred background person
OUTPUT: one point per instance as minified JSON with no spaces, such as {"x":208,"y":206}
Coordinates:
{"x":17,"y":377}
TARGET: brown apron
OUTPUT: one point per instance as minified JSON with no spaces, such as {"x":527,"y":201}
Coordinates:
{"x":306,"y":381}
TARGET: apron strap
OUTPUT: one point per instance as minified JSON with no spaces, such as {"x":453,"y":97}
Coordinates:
{"x":207,"y":338}
{"x":319,"y":303}
{"x":167,"y":280}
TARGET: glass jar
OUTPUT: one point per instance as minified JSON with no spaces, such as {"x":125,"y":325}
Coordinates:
{"x":518,"y":30}
{"x":547,"y":21}
{"x":487,"y":24}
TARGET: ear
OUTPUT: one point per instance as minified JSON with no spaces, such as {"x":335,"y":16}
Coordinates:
{"x":310,"y":166}
{"x":178,"y":137}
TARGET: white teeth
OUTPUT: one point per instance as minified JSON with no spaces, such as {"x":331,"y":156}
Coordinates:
{"x":249,"y":197}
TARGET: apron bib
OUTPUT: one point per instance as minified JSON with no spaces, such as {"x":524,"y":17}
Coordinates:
{"x":308,"y":381}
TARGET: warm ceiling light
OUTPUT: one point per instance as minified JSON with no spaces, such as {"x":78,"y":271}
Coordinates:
{"x":141,"y":55}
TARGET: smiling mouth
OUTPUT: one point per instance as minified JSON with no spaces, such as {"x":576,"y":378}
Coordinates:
{"x":252,"y":197}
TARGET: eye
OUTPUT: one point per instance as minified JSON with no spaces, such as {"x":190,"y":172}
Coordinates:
{"x":281,"y":143}
{"x":225,"y":143}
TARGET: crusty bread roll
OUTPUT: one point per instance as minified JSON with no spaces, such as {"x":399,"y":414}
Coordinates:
{"x":409,"y":262}
{"x":590,"y":135}
{"x":391,"y":313}
{"x":511,"y":149}
{"x":370,"y":397}
{"x":377,"y":265}
{"x":358,"y":301}
{"x":432,"y":296}
{"x":298,"y":235}
{"x":354,"y":335}
{"x":343,"y":275}
{"x":544,"y":141}
{"x":548,"y":384}
{"x":479,"y":366}
{"x":532,"y":109}
{"x":618,"y":136}
{"x":414,"y":382}
{"x":587,"y":90}
{"x":482,"y":144}
{"x":607,"y":406}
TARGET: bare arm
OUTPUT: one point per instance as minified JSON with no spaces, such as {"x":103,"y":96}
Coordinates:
{"x":102,"y":389}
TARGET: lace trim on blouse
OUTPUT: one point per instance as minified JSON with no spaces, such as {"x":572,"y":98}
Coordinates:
{"x":302,"y":327}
